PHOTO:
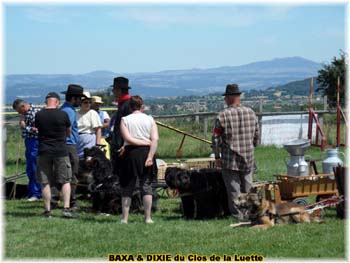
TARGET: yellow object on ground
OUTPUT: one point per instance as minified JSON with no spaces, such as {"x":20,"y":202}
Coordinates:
{"x":106,"y":149}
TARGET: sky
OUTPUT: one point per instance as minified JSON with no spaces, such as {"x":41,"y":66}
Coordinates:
{"x":51,"y":38}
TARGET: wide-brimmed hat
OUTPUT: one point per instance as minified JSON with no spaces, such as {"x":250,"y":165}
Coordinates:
{"x":52,"y":95}
{"x":86,"y":95}
{"x":74,"y":89}
{"x":96,"y":99}
{"x":120,"y":83}
{"x":232,"y":89}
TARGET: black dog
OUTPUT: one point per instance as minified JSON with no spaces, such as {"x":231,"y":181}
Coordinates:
{"x":105,"y":187}
{"x":203,"y":193}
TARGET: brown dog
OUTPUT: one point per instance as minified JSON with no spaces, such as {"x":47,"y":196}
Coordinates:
{"x":263,"y":214}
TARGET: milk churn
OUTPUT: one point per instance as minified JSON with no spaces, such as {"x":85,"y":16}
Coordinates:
{"x":297,"y":164}
{"x":332,"y":160}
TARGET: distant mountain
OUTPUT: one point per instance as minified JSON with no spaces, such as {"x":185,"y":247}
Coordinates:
{"x":299,"y":87}
{"x":258,"y":75}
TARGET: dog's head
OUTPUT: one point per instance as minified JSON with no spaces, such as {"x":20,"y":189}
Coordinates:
{"x":249,"y":204}
{"x":247,"y":200}
{"x":251,"y":200}
{"x":177,"y":178}
{"x":93,"y":157}
{"x":101,"y":169}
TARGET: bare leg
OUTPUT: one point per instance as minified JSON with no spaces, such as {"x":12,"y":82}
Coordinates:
{"x":126,"y":202}
{"x":147,"y":205}
{"x":66,"y":195}
{"x":46,"y":192}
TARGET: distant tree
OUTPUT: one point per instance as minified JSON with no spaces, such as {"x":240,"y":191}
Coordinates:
{"x":328,"y":78}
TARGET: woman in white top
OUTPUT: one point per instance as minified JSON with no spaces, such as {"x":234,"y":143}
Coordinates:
{"x":89,"y":125}
{"x":140,"y":134}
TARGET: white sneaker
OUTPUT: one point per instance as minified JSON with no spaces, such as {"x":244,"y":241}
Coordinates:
{"x":32,"y":199}
{"x":149,"y":221}
{"x":123,"y":221}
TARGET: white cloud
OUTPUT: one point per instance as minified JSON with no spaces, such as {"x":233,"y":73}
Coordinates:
{"x":50,"y":14}
{"x":221,"y":15}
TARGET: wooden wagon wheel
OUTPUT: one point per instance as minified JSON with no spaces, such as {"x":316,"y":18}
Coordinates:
{"x":167,"y":192}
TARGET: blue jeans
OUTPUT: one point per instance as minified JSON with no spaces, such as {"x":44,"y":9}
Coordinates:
{"x":34,"y":189}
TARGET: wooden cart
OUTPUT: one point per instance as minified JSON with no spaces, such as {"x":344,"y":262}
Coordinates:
{"x":294,"y":188}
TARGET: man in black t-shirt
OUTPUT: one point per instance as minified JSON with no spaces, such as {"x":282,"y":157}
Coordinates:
{"x":54,"y":166}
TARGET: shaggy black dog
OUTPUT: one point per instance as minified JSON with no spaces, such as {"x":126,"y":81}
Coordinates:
{"x":203,"y":193}
{"x":104,"y":185}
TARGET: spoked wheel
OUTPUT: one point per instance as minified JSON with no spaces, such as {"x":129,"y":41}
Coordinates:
{"x":167,"y":192}
{"x":301,"y":201}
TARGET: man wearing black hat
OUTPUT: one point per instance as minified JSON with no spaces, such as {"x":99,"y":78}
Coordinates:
{"x":73,"y":96}
{"x":235,"y":135}
{"x":121,"y":93}
{"x":53,"y":161}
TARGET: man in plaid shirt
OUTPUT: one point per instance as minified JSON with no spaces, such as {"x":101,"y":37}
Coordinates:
{"x":235,"y":135}
{"x":30,"y":135}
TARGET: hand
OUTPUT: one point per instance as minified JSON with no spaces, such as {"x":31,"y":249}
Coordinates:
{"x":218,"y":163}
{"x":121,"y":151}
{"x":22,"y":124}
{"x":149,"y":162}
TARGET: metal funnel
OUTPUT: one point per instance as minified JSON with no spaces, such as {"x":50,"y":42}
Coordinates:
{"x":297,"y":147}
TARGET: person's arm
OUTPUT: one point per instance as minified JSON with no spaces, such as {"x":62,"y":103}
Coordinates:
{"x":98,"y":135}
{"x":105,"y":123}
{"x":106,"y":120}
{"x":154,"y":144}
{"x":256,"y":134}
{"x":68,"y":131}
{"x":216,"y":141}
{"x":128,"y":138}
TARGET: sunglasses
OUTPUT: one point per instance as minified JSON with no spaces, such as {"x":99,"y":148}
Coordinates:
{"x":86,"y":102}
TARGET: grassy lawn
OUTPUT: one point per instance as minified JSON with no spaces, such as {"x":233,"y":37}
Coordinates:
{"x":29,"y":236}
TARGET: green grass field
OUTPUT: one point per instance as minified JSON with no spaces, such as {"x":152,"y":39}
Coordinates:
{"x":29,"y":236}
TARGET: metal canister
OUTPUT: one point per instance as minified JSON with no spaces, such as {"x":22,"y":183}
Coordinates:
{"x":332,"y":160}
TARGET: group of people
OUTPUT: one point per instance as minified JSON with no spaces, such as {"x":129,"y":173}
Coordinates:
{"x":56,"y":138}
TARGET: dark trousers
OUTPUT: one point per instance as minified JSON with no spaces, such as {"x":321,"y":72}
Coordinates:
{"x":74,"y":159}
{"x":34,"y":188}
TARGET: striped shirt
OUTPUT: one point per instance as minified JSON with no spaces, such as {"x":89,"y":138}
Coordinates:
{"x":239,"y":131}
{"x":29,"y":118}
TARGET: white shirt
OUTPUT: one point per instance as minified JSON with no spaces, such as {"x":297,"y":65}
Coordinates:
{"x":139,"y":126}
{"x":88,"y":122}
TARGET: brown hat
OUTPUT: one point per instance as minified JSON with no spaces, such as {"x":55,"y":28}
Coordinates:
{"x":52,"y":95}
{"x":232,"y":89}
{"x":120,"y":83}
{"x":74,"y":89}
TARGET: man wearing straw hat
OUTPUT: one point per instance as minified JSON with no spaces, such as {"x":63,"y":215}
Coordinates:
{"x":105,"y":120}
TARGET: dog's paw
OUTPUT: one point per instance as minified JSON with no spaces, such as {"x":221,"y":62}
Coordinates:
{"x":240,"y":224}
